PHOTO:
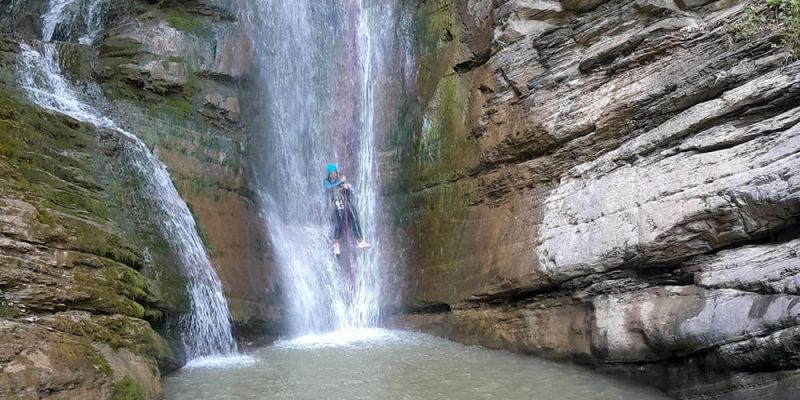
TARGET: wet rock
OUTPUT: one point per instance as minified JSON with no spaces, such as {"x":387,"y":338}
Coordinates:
{"x":222,"y":109}
{"x":85,"y":271}
{"x":721,"y":197}
{"x":75,"y":309}
{"x":677,"y":321}
{"x":178,"y":73}
{"x":161,"y":77}
{"x":581,"y":5}
{"x":619,"y":190}
{"x":68,"y":361}
{"x":532,"y":9}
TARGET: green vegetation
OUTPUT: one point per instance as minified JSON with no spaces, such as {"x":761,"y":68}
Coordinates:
{"x":90,"y":239}
{"x":128,"y":389}
{"x":117,"y":332}
{"x":56,"y":164}
{"x":185,"y":22}
{"x":8,"y":311}
{"x":781,"y":15}
{"x":103,"y":296}
{"x":174,"y":108}
{"x":99,"y":363}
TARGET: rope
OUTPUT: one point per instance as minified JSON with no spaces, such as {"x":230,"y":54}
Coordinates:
{"x":351,"y":64}
{"x":347,"y":229}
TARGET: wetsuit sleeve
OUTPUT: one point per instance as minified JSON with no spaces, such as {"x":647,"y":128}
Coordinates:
{"x":330,"y":185}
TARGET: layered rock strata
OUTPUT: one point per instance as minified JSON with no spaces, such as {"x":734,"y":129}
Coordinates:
{"x":612,"y":183}
{"x":77,"y":315}
{"x":90,"y":294}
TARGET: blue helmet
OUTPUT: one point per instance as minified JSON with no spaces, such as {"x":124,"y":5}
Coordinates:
{"x":330,"y":168}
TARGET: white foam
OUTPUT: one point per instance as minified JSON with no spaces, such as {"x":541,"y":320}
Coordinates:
{"x":237,"y":361}
{"x":342,"y":338}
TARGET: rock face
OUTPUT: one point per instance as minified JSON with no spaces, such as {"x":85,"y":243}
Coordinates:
{"x":90,"y":294}
{"x":77,"y":315}
{"x":178,"y":75}
{"x":613,"y":183}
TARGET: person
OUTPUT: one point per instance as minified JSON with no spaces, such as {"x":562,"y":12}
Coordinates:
{"x":344,"y":211}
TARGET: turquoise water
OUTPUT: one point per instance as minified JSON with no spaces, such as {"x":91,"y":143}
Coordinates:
{"x":382,"y":364}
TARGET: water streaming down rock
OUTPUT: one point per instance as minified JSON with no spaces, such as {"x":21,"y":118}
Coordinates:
{"x":292,"y":44}
{"x":375,"y":34}
{"x":318,"y":75}
{"x":74,"y":17}
{"x":93,"y":20}
{"x":55,"y":14}
{"x":207,"y":328}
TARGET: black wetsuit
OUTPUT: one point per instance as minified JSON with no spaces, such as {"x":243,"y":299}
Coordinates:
{"x":344,"y":211}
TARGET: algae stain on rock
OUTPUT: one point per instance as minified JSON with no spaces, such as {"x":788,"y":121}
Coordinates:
{"x":128,"y":389}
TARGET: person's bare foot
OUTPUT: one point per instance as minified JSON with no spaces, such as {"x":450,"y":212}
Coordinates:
{"x":363,"y":245}
{"x":336,"y":249}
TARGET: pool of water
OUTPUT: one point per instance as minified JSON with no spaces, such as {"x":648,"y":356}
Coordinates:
{"x":383,"y":364}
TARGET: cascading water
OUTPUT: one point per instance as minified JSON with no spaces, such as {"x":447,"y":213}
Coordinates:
{"x":376,"y":35}
{"x":68,"y":13}
{"x":93,"y":20}
{"x":55,"y":14}
{"x":292,"y":47}
{"x":207,"y":328}
{"x":318,"y":63}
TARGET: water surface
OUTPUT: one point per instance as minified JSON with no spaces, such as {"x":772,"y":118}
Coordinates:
{"x":381,"y":364}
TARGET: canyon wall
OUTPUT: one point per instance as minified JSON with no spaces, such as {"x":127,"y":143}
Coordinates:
{"x":178,"y":74}
{"x":78,"y":318}
{"x":613,"y":183}
{"x":91,"y":296}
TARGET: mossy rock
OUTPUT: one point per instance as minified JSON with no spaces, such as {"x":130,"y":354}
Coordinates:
{"x":9,"y":311}
{"x":184,"y":22}
{"x":128,"y":389}
{"x":103,"y":297}
{"x":86,"y":203}
{"x":119,"y":331}
{"x":116,"y":289}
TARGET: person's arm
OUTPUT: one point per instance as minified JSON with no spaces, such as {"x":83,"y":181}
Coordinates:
{"x":346,"y":186}
{"x":348,"y":189}
{"x":330,"y":185}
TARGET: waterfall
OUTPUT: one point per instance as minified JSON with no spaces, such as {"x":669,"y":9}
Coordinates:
{"x":54,"y":15}
{"x":207,"y":328}
{"x":319,"y":77}
{"x":293,"y":42}
{"x":68,"y":12}
{"x":93,"y":20}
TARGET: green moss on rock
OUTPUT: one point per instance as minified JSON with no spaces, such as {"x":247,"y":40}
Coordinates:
{"x":128,"y":389}
{"x":99,"y":363}
{"x":782,"y":16}
{"x":184,"y":22}
{"x":8,"y":311}
{"x":103,"y":297}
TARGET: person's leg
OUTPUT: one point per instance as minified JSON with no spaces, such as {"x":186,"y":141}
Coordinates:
{"x":336,"y":217}
{"x":357,"y":232}
{"x":337,"y":232}
{"x":355,"y":225}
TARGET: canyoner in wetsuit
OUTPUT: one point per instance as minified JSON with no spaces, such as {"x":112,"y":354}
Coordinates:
{"x":344,"y":211}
